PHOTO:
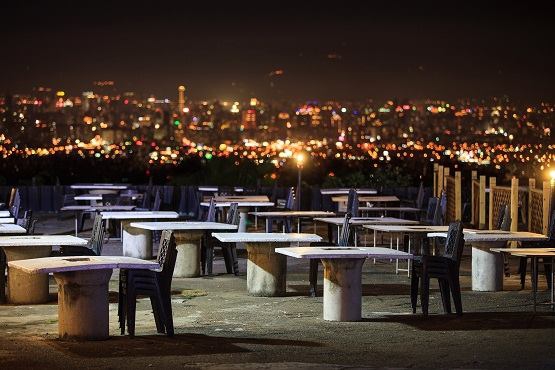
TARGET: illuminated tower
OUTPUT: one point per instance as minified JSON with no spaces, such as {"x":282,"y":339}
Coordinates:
{"x":181,"y":101}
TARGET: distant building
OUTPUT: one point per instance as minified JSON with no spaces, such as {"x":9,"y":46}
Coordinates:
{"x":248,"y":120}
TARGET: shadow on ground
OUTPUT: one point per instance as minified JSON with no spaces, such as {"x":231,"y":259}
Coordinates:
{"x":158,"y":345}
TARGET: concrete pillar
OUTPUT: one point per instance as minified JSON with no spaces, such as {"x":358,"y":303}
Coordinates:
{"x":266,"y":270}
{"x":83,"y":304}
{"x":136,"y":242}
{"x":24,"y":288}
{"x":187,"y":263}
{"x":487,"y":267}
{"x":342,"y":288}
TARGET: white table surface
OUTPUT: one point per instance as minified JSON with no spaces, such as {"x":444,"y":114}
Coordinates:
{"x":369,"y":198}
{"x":241,"y":198}
{"x":392,"y":209}
{"x":81,"y":263}
{"x":7,"y":220}
{"x":12,"y":229}
{"x":495,"y":236}
{"x":240,"y":204}
{"x":208,"y":188}
{"x":344,"y":252}
{"x":338,"y":221}
{"x":345,"y":191}
{"x":5,"y":214}
{"x":40,"y":240}
{"x":137,"y":215}
{"x":100,"y":186}
{"x":293,"y":214}
{"x":184,"y":225}
{"x":407,"y":228}
{"x":88,"y":208}
{"x":266,"y":237}
{"x":88,"y":197}
{"x":548,"y":252}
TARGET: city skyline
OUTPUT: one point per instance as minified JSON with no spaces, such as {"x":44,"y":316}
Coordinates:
{"x":307,"y":52}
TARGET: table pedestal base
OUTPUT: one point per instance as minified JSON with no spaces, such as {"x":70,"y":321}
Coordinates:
{"x":342,"y":289}
{"x":24,"y":288}
{"x":487,"y":268}
{"x":187,"y":263}
{"x":83,"y":304}
{"x":136,"y":242}
{"x":266,"y":270}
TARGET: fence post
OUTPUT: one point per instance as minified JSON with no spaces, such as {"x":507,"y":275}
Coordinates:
{"x":492,"y":183}
{"x":514,"y":204}
{"x":473,"y":177}
{"x":440,"y":173}
{"x":458,"y":196}
{"x":445,"y":175}
{"x":531,"y":186}
{"x":546,"y":206}
{"x":482,"y":216}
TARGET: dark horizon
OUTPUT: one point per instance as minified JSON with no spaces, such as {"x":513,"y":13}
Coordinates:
{"x":433,"y":51}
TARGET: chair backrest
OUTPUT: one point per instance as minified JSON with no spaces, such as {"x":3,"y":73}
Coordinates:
{"x":454,"y":244}
{"x":211,"y":213}
{"x":504,"y":219}
{"x":26,"y":220}
{"x":290,"y":200}
{"x":16,"y":204}
{"x":343,"y":238}
{"x":439,"y":215}
{"x":432,"y":206}
{"x":13,"y":192}
{"x":146,"y":198}
{"x":167,"y":254}
{"x":157,"y":201}
{"x":352,"y":202}
{"x":97,"y":238}
{"x":420,"y":196}
{"x":233,"y":214}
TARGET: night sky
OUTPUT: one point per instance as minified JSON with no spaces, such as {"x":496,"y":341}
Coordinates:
{"x":229,"y":52}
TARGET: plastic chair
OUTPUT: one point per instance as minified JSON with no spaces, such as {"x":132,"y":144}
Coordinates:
{"x":229,"y":250}
{"x":155,"y":284}
{"x":445,"y":268}
{"x":94,"y":244}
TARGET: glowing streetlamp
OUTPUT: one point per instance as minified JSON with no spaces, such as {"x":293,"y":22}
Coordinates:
{"x":300,"y":162}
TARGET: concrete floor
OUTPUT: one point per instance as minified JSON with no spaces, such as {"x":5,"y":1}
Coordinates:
{"x":219,"y":326}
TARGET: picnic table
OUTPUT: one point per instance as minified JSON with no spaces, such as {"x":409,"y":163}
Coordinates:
{"x":24,"y":288}
{"x":487,"y":265}
{"x":188,"y":235}
{"x":137,"y":242}
{"x":298,"y":215}
{"x":244,"y":202}
{"x":343,"y":276}
{"x":82,"y":289}
{"x":266,"y":270}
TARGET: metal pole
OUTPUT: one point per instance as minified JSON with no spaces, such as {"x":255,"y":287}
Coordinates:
{"x":300,"y":168}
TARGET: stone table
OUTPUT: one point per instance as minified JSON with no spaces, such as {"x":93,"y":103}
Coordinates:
{"x":77,"y":209}
{"x":11,"y":229}
{"x":345,"y":191}
{"x":244,"y":202}
{"x":5,"y":214}
{"x":188,"y":235}
{"x":25,"y":288}
{"x":383,"y":210}
{"x":7,"y":220}
{"x":266,"y":270}
{"x":137,"y":242}
{"x":487,"y":265}
{"x":82,"y":290}
{"x":343,"y":276}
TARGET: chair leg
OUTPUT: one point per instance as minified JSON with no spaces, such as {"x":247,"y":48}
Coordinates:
{"x":233,"y":251}
{"x":522,"y":271}
{"x":547,"y":272}
{"x":445,"y":295}
{"x":2,"y":276}
{"x":166,"y":303}
{"x":414,"y":290}
{"x":157,"y":311}
{"x":131,"y":310}
{"x":425,"y":293}
{"x":456,"y":291}
{"x":203,"y":248}
{"x":209,"y":258}
{"x":313,"y":277}
{"x":227,"y":259}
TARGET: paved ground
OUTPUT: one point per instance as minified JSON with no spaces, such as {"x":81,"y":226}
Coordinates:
{"x":220,"y":327}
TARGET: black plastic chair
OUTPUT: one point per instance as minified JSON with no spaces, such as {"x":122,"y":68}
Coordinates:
{"x":431,"y":210}
{"x":343,"y":240}
{"x":155,"y":284}
{"x":94,"y":244}
{"x":15,"y":204}
{"x":352,"y":203}
{"x":229,"y":250}
{"x":445,"y":268}
{"x":27,"y":222}
{"x":504,"y":223}
{"x":550,"y":243}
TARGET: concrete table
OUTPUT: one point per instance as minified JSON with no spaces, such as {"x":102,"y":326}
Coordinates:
{"x":487,"y":265}
{"x":88,"y":197}
{"x":76,"y":209}
{"x":30,"y":289}
{"x":345,"y":191}
{"x":384,"y":210}
{"x":298,"y":215}
{"x":343,"y":276}
{"x":361,"y":221}
{"x":266,"y":270}
{"x":244,"y":203}
{"x":5,"y":214}
{"x":137,"y":242}
{"x":188,"y":237}
{"x":82,"y":290}
{"x":11,"y":229}
{"x":103,"y":188}
{"x":7,"y":220}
